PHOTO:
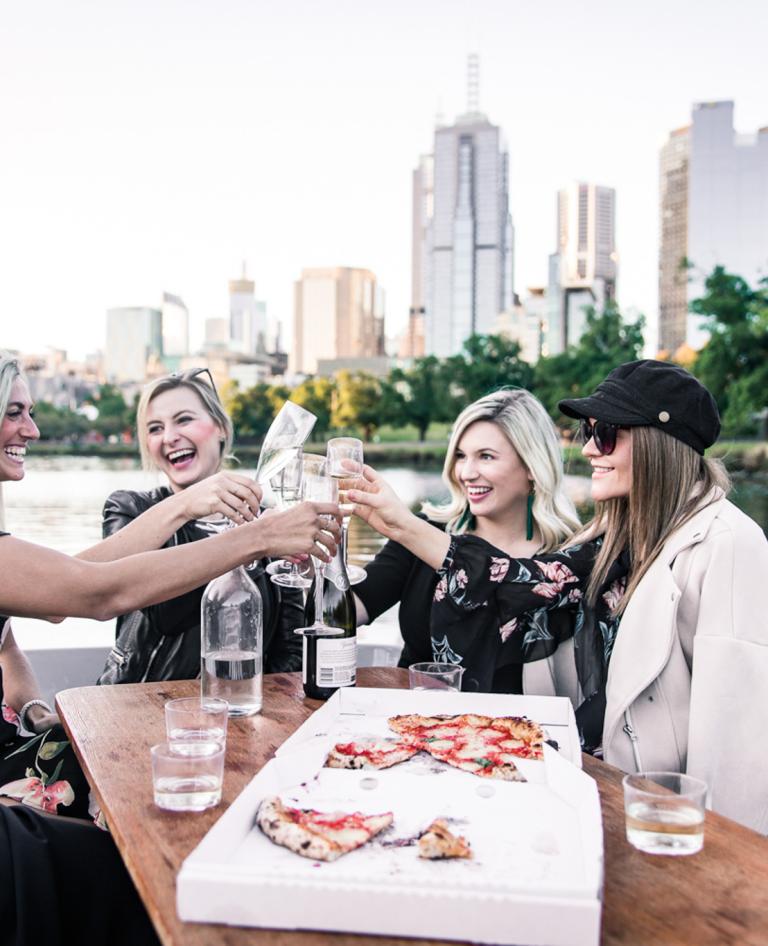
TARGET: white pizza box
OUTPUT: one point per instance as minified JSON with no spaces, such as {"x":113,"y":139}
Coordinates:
{"x":356,"y":707}
{"x":535,"y":877}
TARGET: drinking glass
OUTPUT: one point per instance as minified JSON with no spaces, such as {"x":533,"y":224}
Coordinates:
{"x":435,"y":676}
{"x":345,"y":461}
{"x":192,"y":722}
{"x":318,"y":487}
{"x":287,"y":433}
{"x":286,"y":486}
{"x":664,"y":812}
{"x":187,"y":781}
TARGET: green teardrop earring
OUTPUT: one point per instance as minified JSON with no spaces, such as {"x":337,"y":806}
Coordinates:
{"x":529,"y":515}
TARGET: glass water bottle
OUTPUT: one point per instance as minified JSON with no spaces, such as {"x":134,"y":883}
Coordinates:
{"x":231,"y":627}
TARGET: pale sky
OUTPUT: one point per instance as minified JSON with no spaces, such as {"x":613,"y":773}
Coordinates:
{"x":154,"y":144}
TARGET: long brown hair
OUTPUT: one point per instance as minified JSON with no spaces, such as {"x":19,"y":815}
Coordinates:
{"x":670,"y":481}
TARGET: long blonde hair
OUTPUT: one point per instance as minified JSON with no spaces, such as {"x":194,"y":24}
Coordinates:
{"x":206,"y":392}
{"x":10,"y":370}
{"x":670,"y":481}
{"x":526,"y":424}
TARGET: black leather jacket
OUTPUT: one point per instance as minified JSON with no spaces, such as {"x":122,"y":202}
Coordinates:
{"x":162,"y":642}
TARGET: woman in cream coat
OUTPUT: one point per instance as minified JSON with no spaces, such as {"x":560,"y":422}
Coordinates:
{"x":666,"y":655}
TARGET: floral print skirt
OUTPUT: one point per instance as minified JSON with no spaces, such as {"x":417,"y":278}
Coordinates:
{"x":40,"y":770}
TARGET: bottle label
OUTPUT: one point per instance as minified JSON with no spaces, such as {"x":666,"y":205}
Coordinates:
{"x":336,"y":661}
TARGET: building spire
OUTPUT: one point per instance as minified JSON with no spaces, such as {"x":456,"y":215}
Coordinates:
{"x":473,"y":83}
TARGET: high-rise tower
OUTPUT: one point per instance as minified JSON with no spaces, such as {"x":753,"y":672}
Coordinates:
{"x":462,"y":230}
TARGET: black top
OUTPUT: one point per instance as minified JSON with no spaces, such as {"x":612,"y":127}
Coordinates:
{"x":162,"y":642}
{"x":395,"y":575}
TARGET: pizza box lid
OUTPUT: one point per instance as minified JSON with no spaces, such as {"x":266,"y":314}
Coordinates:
{"x":536,"y":874}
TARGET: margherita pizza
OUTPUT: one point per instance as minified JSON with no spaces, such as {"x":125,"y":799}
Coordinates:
{"x":367,"y":753}
{"x":318,"y":835}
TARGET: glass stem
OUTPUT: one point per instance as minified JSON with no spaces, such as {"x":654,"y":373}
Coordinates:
{"x":344,"y":540}
{"x":319,"y":582}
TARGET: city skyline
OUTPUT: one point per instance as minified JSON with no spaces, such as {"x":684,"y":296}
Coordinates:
{"x":153,"y":148}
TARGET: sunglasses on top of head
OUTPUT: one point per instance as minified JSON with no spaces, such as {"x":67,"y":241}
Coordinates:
{"x":191,"y":373}
{"x":603,"y":434}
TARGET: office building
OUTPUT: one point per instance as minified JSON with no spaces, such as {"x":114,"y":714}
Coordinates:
{"x":713,"y":198}
{"x":134,"y":336}
{"x":247,"y":317}
{"x":525,"y":322}
{"x":175,"y":329}
{"x":582,"y":271}
{"x":338,"y":314}
{"x":462,"y":254}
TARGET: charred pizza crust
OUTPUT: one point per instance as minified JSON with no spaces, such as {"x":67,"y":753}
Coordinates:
{"x":438,"y":842}
{"x":318,"y":835}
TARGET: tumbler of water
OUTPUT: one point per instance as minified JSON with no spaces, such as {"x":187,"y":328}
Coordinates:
{"x":231,"y":627}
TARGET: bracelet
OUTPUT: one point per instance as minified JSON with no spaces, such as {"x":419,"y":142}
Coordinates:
{"x":25,"y":709}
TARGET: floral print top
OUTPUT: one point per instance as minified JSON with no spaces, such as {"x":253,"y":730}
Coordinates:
{"x":490,"y":610}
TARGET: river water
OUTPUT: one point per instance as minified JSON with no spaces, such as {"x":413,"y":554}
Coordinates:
{"x":59,"y":502}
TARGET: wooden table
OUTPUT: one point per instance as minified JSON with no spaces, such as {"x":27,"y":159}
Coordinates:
{"x":716,"y":897}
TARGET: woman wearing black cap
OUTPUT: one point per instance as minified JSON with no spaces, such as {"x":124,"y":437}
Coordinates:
{"x":670,"y":634}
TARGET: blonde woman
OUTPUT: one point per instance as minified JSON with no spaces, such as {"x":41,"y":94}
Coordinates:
{"x":185,"y":434}
{"x":504,"y":472}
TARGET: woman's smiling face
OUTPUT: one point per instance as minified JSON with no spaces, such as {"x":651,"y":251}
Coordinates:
{"x":183,"y":440}
{"x":490,"y":472}
{"x":16,"y":430}
{"x":612,"y":473}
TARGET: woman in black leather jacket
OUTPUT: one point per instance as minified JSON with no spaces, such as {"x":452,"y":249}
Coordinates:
{"x":184,"y":432}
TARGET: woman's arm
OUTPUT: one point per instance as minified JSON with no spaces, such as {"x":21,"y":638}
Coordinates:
{"x":20,"y":684}
{"x":379,"y":505}
{"x":35,"y":580}
{"x":229,"y":494}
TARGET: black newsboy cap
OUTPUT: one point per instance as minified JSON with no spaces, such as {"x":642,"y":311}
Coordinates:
{"x":653,"y":394}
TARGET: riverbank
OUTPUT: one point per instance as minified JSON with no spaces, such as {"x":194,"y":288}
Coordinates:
{"x":741,"y":457}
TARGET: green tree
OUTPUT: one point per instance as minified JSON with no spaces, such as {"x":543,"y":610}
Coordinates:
{"x":252,"y":411}
{"x":485,"y":363}
{"x":357,"y":402}
{"x":115,"y":416}
{"x":608,"y":341}
{"x":316,"y":395}
{"x":416,"y":395}
{"x":734,"y":362}
{"x":59,"y":423}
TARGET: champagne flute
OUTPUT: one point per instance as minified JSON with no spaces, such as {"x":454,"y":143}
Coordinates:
{"x":287,"y":487}
{"x":317,"y":486}
{"x":345,"y":461}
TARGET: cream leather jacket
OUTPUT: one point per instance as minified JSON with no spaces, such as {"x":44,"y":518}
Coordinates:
{"x":688,"y":680}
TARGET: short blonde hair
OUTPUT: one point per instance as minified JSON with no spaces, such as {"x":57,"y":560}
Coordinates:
{"x":530,"y":430}
{"x":205,"y":392}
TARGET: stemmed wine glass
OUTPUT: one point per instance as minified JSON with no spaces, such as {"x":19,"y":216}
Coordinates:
{"x":317,"y":486}
{"x":287,"y":488}
{"x":345,"y":461}
{"x":287,"y":433}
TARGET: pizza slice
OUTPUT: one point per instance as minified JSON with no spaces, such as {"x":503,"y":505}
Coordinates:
{"x":369,"y":753}
{"x":478,"y":757}
{"x":321,"y":836}
{"x":438,"y":842}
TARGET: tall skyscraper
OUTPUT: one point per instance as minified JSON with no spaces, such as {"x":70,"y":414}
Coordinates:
{"x":583,"y":270}
{"x":338,"y":313}
{"x":134,"y":335}
{"x":175,"y":327}
{"x":247,"y":317}
{"x":714,"y":211}
{"x":462,"y":255}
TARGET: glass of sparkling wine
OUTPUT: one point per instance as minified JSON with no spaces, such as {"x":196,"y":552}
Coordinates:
{"x":287,"y":488}
{"x":345,"y":462}
{"x":187,"y":781}
{"x":665,"y":812}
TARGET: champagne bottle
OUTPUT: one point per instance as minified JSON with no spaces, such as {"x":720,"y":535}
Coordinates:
{"x":330,"y":660}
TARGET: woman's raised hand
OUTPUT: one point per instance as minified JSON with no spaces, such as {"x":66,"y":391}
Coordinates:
{"x":307,"y":528}
{"x":231,"y":494}
{"x":379,"y":505}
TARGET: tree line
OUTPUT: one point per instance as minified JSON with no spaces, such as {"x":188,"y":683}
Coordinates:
{"x":733,"y":365}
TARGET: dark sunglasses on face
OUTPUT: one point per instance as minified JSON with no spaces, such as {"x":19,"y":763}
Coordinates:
{"x":603,"y":434}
